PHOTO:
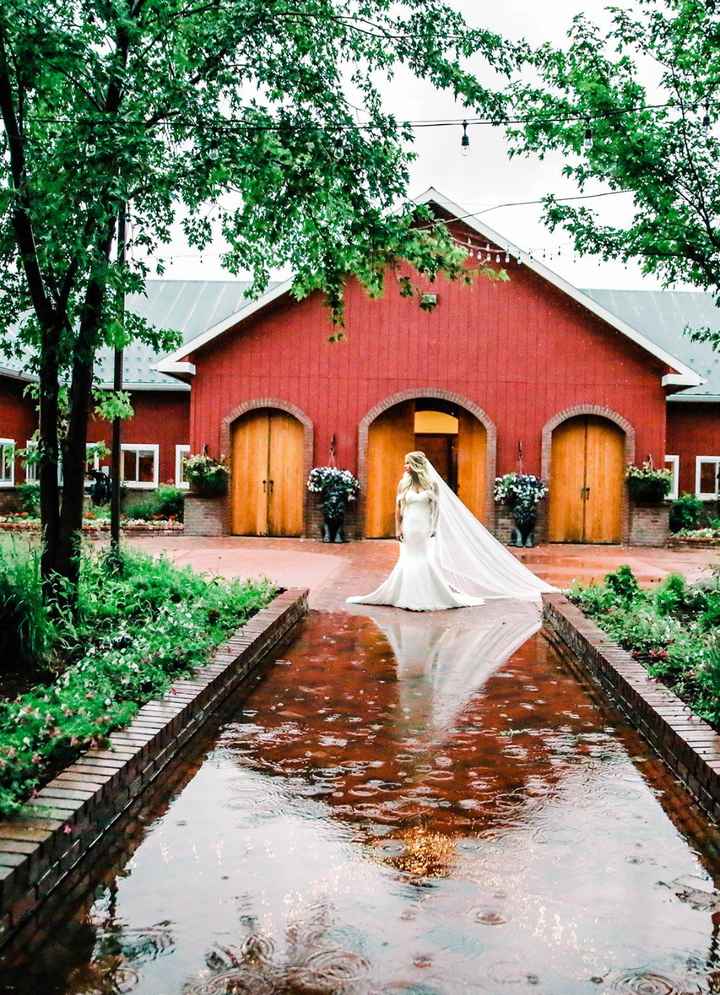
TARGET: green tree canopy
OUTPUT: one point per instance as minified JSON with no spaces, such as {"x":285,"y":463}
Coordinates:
{"x":636,"y":109}
{"x":178,"y":106}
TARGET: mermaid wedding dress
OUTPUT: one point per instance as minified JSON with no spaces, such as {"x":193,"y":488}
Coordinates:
{"x":460,"y":567}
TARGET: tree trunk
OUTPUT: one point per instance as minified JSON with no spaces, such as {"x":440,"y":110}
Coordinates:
{"x":74,"y":450}
{"x":49,"y":453}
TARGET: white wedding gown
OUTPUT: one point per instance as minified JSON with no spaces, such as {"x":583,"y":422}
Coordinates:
{"x":416,"y":581}
{"x":461,"y":567}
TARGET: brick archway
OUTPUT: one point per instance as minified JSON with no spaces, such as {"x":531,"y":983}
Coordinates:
{"x":599,"y":411}
{"x":308,"y":440}
{"x":416,"y":394}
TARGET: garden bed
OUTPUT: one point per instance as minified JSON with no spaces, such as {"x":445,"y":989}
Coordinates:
{"x":133,"y":633}
{"x":707,"y":538}
{"x":94,"y":526}
{"x":672,"y":630}
{"x":46,"y":850}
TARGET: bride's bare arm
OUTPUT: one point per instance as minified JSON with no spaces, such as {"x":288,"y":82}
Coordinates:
{"x":434,"y":509}
{"x":398,"y":520}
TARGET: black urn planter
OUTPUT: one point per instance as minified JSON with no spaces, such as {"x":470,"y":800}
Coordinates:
{"x":524,"y":532}
{"x":333,"y":528}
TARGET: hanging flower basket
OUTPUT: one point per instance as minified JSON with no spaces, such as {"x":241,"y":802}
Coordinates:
{"x":521,"y":492}
{"x":648,"y":484}
{"x":207,"y":477}
{"x":336,"y":488}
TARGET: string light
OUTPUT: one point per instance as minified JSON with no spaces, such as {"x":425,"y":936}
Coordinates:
{"x":465,"y":140}
{"x":706,"y":117}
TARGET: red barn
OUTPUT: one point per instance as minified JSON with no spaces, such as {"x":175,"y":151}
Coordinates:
{"x":529,"y":372}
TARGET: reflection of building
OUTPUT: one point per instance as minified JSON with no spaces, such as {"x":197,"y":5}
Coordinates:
{"x":578,"y":382}
{"x":443,"y":658}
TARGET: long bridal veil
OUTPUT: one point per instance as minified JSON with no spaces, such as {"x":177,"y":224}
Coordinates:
{"x":472,"y":559}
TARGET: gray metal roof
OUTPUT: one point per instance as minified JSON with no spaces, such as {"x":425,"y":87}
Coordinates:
{"x":662,"y":315}
{"x":186,"y":306}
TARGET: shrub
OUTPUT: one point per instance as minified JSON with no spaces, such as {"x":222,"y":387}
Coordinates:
{"x":136,"y":631}
{"x":165,"y":502}
{"x":622,"y":583}
{"x":28,"y":497}
{"x":688,"y":512}
{"x":28,"y":634}
{"x":673,"y":630}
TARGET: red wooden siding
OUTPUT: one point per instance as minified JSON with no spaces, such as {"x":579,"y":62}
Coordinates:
{"x":522,"y":351}
{"x":161,"y":418}
{"x":692,"y":430}
{"x":17,"y":417}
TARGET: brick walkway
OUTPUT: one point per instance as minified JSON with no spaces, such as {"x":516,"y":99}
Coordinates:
{"x":333,"y":572}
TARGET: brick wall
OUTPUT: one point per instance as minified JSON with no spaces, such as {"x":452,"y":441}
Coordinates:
{"x":649,"y":524}
{"x":206,"y":516}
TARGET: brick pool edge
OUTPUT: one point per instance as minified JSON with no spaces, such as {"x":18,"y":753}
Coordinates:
{"x":687,"y":744}
{"x":80,"y":805}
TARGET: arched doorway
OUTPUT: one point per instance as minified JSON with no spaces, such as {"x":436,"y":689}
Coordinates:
{"x":454,"y":439}
{"x":267,"y":473}
{"x":587,"y":480}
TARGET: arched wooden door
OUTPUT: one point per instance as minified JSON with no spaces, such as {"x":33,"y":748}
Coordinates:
{"x":586,"y":481}
{"x":267,"y":474}
{"x":390,"y":437}
{"x":472,"y":464}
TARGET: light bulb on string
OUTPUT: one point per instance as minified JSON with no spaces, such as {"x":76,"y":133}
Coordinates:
{"x":465,"y":140}
{"x":706,"y":116}
{"x":588,"y":136}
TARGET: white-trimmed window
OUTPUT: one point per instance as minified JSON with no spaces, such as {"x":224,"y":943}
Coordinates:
{"x":180,"y":453}
{"x":672,"y":462}
{"x":7,"y":462}
{"x":92,"y":463}
{"x":31,"y":469}
{"x":706,"y":477}
{"x":140,"y":465}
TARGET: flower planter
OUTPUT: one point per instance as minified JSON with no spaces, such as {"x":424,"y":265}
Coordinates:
{"x":335,"y":488}
{"x":647,"y":491}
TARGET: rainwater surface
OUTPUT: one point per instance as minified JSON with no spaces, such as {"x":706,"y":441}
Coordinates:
{"x":406,"y":803}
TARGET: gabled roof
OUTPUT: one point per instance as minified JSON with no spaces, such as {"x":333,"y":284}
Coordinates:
{"x":683,"y":375}
{"x":662,"y":315}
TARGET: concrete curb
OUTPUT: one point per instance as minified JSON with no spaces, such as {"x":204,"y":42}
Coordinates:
{"x":77,"y":808}
{"x":686,"y":743}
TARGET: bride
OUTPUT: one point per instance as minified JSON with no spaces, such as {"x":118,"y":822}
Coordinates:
{"x":447,"y":558}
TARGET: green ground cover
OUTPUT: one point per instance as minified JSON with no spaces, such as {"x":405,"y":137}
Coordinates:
{"x":133,"y":634}
{"x":672,"y":629}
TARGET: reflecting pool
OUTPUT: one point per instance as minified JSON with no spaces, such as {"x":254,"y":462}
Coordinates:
{"x":406,"y":803}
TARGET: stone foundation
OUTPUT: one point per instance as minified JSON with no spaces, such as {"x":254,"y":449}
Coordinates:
{"x":206,"y":516}
{"x":649,"y":524}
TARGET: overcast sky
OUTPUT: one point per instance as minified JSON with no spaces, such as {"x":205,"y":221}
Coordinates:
{"x":487,"y":176}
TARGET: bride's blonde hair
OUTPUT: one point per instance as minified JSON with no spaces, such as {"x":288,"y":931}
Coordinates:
{"x":419,"y":473}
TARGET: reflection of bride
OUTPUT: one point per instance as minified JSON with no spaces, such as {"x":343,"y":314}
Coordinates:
{"x":448,"y":559}
{"x":442,"y":661}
